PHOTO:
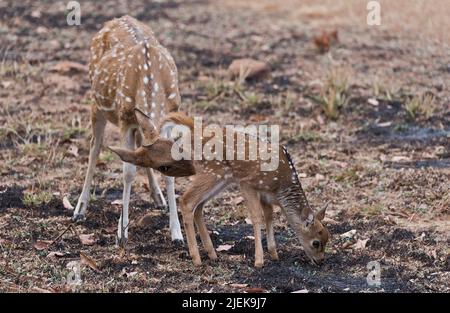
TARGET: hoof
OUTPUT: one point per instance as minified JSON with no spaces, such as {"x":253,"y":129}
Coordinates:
{"x":121,"y":242}
{"x":197,"y":262}
{"x":162,"y":207}
{"x":213,"y":256}
{"x":79,"y":218}
{"x":274,"y":256}
{"x":178,"y":243}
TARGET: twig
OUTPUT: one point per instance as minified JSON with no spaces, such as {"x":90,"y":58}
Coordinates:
{"x":61,"y":234}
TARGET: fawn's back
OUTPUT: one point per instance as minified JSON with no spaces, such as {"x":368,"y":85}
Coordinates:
{"x":130,"y":69}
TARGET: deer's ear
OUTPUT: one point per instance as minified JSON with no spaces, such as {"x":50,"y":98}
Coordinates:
{"x":147,"y":126}
{"x":125,"y":155}
{"x":320,"y":215}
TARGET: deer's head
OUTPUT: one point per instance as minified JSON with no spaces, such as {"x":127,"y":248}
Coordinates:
{"x":313,"y":235}
{"x":155,"y":151}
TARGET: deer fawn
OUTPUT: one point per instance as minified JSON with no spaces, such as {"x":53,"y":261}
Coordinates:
{"x":261,"y":190}
{"x":130,"y":70}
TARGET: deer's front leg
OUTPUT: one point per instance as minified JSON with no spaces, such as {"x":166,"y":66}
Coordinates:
{"x":98,"y":129}
{"x":156,"y":192}
{"x":253,"y":203}
{"x":129,"y":172}
{"x":175,"y":228}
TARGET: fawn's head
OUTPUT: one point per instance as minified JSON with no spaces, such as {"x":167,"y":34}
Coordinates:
{"x":155,"y":152}
{"x":313,"y":236}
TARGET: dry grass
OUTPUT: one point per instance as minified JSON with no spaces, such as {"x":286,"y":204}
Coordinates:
{"x":423,"y":105}
{"x":334,"y":94}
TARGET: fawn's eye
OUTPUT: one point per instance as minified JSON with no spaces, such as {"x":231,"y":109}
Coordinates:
{"x":163,"y":168}
{"x":316,"y":244}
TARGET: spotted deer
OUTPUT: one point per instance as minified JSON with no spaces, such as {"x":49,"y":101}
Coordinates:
{"x":262,"y":190}
{"x":131,"y":73}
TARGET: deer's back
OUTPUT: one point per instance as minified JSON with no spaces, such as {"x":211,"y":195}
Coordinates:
{"x":128,"y":69}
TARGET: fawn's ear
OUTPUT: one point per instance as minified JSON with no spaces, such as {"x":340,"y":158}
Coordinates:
{"x":124,"y":154}
{"x":148,"y":128}
{"x":320,"y":215}
{"x":307,"y":218}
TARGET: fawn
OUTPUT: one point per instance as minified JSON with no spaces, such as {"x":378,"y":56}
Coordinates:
{"x":261,"y":190}
{"x":130,"y":70}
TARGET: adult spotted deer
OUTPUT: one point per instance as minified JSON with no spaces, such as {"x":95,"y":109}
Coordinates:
{"x":132,"y":73}
{"x":261,"y":190}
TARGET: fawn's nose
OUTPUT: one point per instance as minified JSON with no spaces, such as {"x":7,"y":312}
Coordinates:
{"x":318,"y":260}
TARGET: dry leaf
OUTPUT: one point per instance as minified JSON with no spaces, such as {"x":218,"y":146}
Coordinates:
{"x":301,"y":291}
{"x":399,"y":158}
{"x":87,"y":260}
{"x":42,"y":244}
{"x":147,"y":219}
{"x":238,"y":200}
{"x":385,"y":124}
{"x":100,"y":163}
{"x":373,"y":101}
{"x":319,"y":177}
{"x":257,"y":118}
{"x":67,"y":204}
{"x":53,"y":255}
{"x":248,"y":68}
{"x":248,"y":221}
{"x":224,"y":248}
{"x":325,"y":40}
{"x":255,"y":290}
{"x":41,"y":290}
{"x":67,"y":66}
{"x":360,"y":244}
{"x":349,"y":234}
{"x":117,"y":202}
{"x":7,"y":83}
{"x":87,"y":239}
{"x":238,"y":285}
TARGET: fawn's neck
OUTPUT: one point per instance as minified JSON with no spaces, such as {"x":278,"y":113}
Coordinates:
{"x":291,"y":195}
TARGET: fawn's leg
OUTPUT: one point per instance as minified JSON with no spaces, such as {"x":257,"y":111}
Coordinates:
{"x":203,"y":231}
{"x":268,"y":216}
{"x":174,"y":222}
{"x":98,"y":122}
{"x":203,"y":188}
{"x":254,"y":205}
{"x":129,"y":172}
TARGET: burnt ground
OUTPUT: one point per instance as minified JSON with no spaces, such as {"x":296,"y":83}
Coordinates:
{"x":385,"y":172}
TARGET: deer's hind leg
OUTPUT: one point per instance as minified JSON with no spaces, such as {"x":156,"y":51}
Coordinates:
{"x":98,"y":123}
{"x":203,"y":231}
{"x":203,"y":188}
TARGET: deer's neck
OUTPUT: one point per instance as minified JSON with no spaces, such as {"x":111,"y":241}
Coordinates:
{"x":291,"y":196}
